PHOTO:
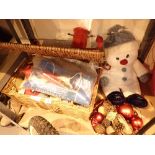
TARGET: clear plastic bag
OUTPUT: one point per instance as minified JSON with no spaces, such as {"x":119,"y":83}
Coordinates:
{"x":68,"y":79}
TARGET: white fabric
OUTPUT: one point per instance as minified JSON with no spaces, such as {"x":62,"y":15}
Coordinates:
{"x":139,"y":68}
{"x":114,"y":76}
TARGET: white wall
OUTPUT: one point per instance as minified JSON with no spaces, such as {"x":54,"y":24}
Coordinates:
{"x":58,"y":29}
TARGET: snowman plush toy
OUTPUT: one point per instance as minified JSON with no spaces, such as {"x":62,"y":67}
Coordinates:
{"x":119,"y":81}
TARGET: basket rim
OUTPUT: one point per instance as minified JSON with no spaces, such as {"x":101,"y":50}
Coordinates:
{"x":95,"y":55}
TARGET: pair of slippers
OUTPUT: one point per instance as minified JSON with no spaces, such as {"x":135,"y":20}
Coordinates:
{"x":117,"y":98}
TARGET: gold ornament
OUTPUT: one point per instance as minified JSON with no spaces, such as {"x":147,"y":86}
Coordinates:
{"x":100,"y":129}
{"x":102,"y":110}
{"x":111,"y":116}
{"x":110,"y":130}
{"x":106,"y":122}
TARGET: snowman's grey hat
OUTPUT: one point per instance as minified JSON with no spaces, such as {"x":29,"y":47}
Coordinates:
{"x":118,"y":35}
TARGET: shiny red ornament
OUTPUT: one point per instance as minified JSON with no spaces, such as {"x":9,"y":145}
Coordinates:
{"x":126,"y":110}
{"x":136,"y":123}
{"x":94,"y":122}
{"x":98,"y":117}
{"x":96,"y":106}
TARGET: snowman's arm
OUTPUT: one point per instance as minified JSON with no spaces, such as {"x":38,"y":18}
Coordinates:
{"x":141,"y":71}
{"x":104,"y":80}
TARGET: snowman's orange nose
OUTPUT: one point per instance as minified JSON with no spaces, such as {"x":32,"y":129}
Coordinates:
{"x":123,"y":62}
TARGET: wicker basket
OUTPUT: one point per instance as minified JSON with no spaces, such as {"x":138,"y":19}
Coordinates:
{"x":59,"y":106}
{"x":71,"y":53}
{"x":63,"y":107}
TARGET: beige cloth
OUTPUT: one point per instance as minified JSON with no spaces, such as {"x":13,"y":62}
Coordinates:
{"x":64,"y":124}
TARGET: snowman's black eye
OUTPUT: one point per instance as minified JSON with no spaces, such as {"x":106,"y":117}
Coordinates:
{"x":117,"y":58}
{"x":127,"y":56}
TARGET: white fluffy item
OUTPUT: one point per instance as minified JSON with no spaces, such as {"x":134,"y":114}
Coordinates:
{"x":125,"y":69}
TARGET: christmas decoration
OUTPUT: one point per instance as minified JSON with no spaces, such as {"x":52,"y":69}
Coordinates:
{"x":97,"y":105}
{"x":126,"y":110}
{"x":108,"y":107}
{"x":111,"y":115}
{"x":98,"y":117}
{"x":126,"y":127}
{"x":102,"y":110}
{"x":115,"y":119}
{"x":118,"y":128}
{"x":121,"y":51}
{"x":100,"y":129}
{"x":106,"y":123}
{"x":136,"y":123}
{"x":94,"y":122}
{"x":110,"y":130}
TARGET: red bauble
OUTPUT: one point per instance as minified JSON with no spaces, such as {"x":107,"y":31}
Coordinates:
{"x":136,"y":123}
{"x":126,"y":110}
{"x":94,"y":122}
{"x":98,"y":117}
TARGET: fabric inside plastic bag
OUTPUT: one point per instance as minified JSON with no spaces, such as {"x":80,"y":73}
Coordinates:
{"x":69,"y":80}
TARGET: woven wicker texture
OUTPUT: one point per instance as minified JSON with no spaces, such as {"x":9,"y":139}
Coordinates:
{"x":60,"y":106}
{"x":72,"y":53}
